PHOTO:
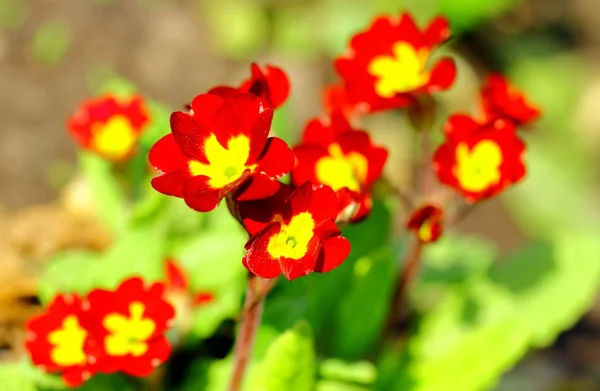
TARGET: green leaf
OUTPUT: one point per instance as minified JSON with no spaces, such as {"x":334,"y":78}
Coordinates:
{"x":467,"y":14}
{"x":51,"y":42}
{"x":521,"y":303}
{"x":23,"y":376}
{"x":289,"y":363}
{"x":333,"y":385}
{"x":362,"y":372}
{"x":283,"y":124}
{"x":12,"y":14}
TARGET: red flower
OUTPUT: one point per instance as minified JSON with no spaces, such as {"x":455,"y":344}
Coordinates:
{"x":109,"y":126}
{"x":293,"y":233}
{"x":335,"y":99}
{"x":129,"y":324}
{"x":177,"y":284}
{"x":479,"y":160}
{"x":270,"y":84}
{"x":220,"y":147}
{"x":332,"y":153}
{"x":387,"y":64}
{"x":426,"y":223}
{"x":56,"y":340}
{"x":501,"y":100}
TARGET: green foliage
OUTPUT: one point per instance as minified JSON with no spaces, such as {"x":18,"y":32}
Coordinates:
{"x":51,"y":42}
{"x":362,"y":372}
{"x":12,"y":14}
{"x":289,"y":363}
{"x":467,"y":14}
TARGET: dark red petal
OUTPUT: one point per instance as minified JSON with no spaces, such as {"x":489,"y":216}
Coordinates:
{"x":224,"y":91}
{"x":199,"y":195}
{"x":442,"y":75}
{"x":320,"y":200}
{"x":256,"y":215}
{"x":437,"y":32}
{"x":257,"y":259}
{"x":205,"y":106}
{"x":259,"y":186}
{"x":237,"y":115}
{"x":277,"y":158}
{"x":171,"y":183}
{"x":259,"y":135}
{"x":189,"y":135}
{"x":278,"y":84}
{"x":335,"y":252}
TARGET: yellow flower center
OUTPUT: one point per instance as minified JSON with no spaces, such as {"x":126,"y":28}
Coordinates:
{"x":225,"y":164}
{"x":339,"y":170}
{"x":402,"y":72}
{"x":425,"y":233}
{"x":68,"y":343}
{"x":128,"y":335}
{"x":292,"y":240}
{"x":478,"y":168}
{"x":114,"y":139}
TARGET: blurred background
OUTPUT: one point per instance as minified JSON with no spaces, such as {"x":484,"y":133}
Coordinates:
{"x":53,"y":53}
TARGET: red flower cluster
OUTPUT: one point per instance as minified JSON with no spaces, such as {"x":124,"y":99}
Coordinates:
{"x":109,"y":126}
{"x":386,"y":65}
{"x":332,"y":153}
{"x":482,"y":158}
{"x":107,"y":331}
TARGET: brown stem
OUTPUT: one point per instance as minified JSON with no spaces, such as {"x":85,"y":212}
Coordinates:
{"x":410,"y":267}
{"x":460,"y":213}
{"x":247,"y":329}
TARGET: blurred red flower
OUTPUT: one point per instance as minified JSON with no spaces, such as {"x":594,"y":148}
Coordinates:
{"x":332,"y":153}
{"x":293,"y":232}
{"x":270,"y":84}
{"x":177,"y":284}
{"x":129,"y":325}
{"x":56,"y":341}
{"x":220,"y":147}
{"x":426,"y":223}
{"x":387,"y":64}
{"x":501,"y":100}
{"x":479,"y":160}
{"x":109,"y":126}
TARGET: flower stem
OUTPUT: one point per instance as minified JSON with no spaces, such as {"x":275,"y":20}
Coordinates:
{"x":255,"y":299}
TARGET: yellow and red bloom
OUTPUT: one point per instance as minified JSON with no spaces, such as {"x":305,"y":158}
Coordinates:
{"x":332,"y":153}
{"x":109,"y":126}
{"x":294,"y":233}
{"x":479,"y":160}
{"x":56,"y":341}
{"x":129,"y":325}
{"x":501,"y":100}
{"x":426,"y":222}
{"x":270,"y":84}
{"x":387,"y":64}
{"x":220,"y":147}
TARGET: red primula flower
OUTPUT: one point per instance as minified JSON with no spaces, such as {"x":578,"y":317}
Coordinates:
{"x":56,"y":340}
{"x":332,"y":153}
{"x":109,"y":125}
{"x":177,"y":284}
{"x":335,"y":99}
{"x":501,"y":100}
{"x":426,"y":223}
{"x":220,"y":147}
{"x":293,"y":233}
{"x":270,"y":84}
{"x":129,"y":324}
{"x":387,"y":64}
{"x":479,"y":160}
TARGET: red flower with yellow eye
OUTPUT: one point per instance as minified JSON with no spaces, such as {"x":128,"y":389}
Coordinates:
{"x":501,"y":100}
{"x":293,"y":233}
{"x":109,"y":126}
{"x":332,"y":153}
{"x":479,"y":160}
{"x":220,"y":147}
{"x":129,"y":325}
{"x":387,"y":64}
{"x":426,"y":223}
{"x":270,"y":84}
{"x":56,"y":341}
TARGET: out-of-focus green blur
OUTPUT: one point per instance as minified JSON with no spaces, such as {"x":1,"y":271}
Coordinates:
{"x":55,"y":53}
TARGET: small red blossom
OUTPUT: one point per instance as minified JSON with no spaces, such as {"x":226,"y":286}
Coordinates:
{"x":501,"y":100}
{"x":270,"y":84}
{"x":426,"y":223}
{"x":177,"y":284}
{"x":129,"y":324}
{"x":387,"y":64}
{"x":335,"y":99}
{"x":220,"y":147}
{"x":332,"y":153}
{"x":109,"y":126}
{"x":294,"y":233}
{"x":479,"y":160}
{"x":56,"y":341}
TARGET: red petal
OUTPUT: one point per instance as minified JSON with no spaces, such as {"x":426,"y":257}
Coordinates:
{"x":442,"y":75}
{"x":437,"y":32}
{"x":257,"y":259}
{"x":294,"y":268}
{"x":307,"y":156}
{"x":189,"y":135}
{"x":277,"y":158}
{"x":176,"y":278}
{"x":335,"y":251}
{"x":279,"y":85}
{"x":320,"y":200}
{"x":259,"y":135}
{"x":199,"y":195}
{"x":259,"y":186}
{"x":224,"y":91}
{"x":460,"y":126}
